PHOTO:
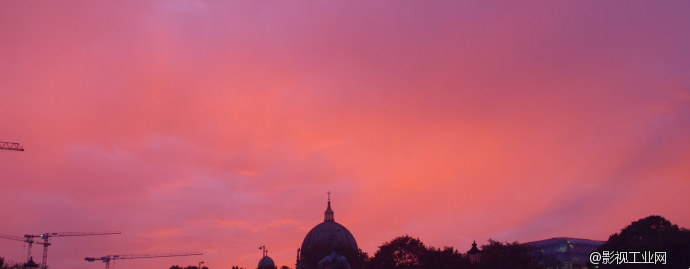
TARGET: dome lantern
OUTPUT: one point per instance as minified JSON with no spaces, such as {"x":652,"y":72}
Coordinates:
{"x":328,"y":215}
{"x":474,"y":253}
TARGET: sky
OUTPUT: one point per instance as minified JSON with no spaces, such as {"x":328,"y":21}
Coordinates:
{"x":219,"y":126}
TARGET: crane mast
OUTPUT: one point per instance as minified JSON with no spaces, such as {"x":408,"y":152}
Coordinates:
{"x":108,"y":258}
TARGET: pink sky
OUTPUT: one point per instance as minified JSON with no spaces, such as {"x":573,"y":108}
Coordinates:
{"x":220,"y":126}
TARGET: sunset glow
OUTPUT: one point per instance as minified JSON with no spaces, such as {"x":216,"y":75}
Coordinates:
{"x":219,"y":126}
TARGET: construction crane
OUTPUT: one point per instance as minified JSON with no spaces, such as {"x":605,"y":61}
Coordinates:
{"x":26,"y":239}
{"x":29,"y":238}
{"x":108,"y":258}
{"x":46,"y":240}
{"x":11,"y":146}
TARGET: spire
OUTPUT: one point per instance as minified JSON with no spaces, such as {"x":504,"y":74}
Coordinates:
{"x":328,"y":215}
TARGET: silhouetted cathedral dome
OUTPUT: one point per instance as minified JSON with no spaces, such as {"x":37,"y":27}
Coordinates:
{"x":266,"y":262}
{"x":328,"y":231}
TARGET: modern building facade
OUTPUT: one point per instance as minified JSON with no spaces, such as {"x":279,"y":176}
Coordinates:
{"x":573,"y":253}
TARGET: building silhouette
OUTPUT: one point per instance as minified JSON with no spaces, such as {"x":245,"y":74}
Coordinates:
{"x":322,"y":236}
{"x":573,"y":253}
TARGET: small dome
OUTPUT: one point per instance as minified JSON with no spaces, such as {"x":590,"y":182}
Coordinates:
{"x":31,"y":263}
{"x":266,"y":262}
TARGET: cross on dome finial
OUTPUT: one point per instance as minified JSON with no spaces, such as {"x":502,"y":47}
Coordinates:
{"x":329,"y":196}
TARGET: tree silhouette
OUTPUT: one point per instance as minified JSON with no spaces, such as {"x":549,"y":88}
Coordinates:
{"x":5,"y":264}
{"x":403,"y":252}
{"x":284,"y":267}
{"x":497,"y":255}
{"x":446,"y":258}
{"x":653,"y":233}
{"x":188,"y":267}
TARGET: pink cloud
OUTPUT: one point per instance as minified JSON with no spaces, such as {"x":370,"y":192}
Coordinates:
{"x":219,"y":127}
